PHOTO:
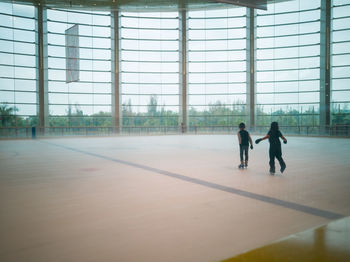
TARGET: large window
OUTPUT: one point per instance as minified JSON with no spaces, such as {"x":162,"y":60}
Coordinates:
{"x":150,"y":69}
{"x":86,"y":102}
{"x":340,"y":98}
{"x":217,"y":67}
{"x":18,"y":75}
{"x":288,"y":63}
{"x":78,"y":60}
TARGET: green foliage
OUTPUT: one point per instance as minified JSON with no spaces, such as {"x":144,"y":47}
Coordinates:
{"x":155,"y":116}
{"x":8,"y":117}
{"x":216,"y":114}
{"x":341,"y":116}
{"x":76,"y":118}
{"x":288,"y":117}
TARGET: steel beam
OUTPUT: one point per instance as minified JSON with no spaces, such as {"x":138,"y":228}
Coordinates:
{"x":183,"y":118}
{"x":250,"y":98}
{"x":116,"y":94}
{"x":325,"y":66}
{"x":42,"y":94}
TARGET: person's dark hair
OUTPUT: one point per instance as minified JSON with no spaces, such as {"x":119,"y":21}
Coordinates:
{"x":274,"y":126}
{"x":241,"y":125}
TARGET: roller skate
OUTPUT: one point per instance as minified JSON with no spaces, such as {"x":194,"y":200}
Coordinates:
{"x":283,"y":167}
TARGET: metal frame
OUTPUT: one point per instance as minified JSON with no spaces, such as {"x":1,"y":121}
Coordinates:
{"x":42,"y":67}
{"x":183,"y":72}
{"x":325,"y":65}
{"x":295,"y":69}
{"x":116,"y":92}
{"x":251,"y":90}
{"x":144,"y":57}
{"x":336,"y":104}
{"x":233,"y":76}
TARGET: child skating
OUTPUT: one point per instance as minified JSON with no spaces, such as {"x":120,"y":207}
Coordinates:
{"x":244,"y":139}
{"x":275,"y":150}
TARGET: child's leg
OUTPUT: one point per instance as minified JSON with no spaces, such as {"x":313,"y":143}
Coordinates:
{"x":272,"y":160}
{"x":241,"y":153}
{"x":246,"y":150}
{"x":281,"y":161}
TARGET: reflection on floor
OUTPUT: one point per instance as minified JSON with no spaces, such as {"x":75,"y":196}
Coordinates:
{"x":327,"y":243}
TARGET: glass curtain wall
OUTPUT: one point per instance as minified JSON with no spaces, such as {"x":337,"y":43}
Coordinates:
{"x":288,"y":63}
{"x":85,"y":99}
{"x":217,"y":67}
{"x":150,"y":82}
{"x":18,"y":74}
{"x":340,"y":70}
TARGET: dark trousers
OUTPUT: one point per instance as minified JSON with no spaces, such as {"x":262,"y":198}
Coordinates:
{"x":276,"y":152}
{"x":243,"y":149}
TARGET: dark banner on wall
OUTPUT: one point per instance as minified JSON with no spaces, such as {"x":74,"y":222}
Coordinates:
{"x":72,"y":54}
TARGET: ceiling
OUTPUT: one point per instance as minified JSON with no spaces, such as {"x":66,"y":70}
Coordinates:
{"x":146,"y":5}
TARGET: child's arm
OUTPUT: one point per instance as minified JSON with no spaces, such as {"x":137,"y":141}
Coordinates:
{"x":284,"y":139}
{"x":261,"y":139}
{"x":239,"y":138}
{"x":251,"y":142}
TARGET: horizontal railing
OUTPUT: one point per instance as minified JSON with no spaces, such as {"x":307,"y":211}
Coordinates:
{"x":33,"y":132}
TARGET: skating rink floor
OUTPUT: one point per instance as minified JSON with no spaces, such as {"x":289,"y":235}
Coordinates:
{"x":162,"y":198}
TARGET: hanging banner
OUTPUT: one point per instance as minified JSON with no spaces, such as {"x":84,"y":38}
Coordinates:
{"x":72,"y":54}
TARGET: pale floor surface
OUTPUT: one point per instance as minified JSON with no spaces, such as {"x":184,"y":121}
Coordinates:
{"x":71,"y":199}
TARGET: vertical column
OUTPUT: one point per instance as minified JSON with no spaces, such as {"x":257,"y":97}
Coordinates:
{"x":250,"y":68}
{"x":42,"y":67}
{"x":325,"y":81}
{"x":183,"y":71}
{"x":116,"y":94}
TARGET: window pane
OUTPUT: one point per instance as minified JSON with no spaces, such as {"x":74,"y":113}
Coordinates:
{"x":150,"y":69}
{"x":340,"y":70}
{"x":91,"y":96}
{"x":288,"y":60}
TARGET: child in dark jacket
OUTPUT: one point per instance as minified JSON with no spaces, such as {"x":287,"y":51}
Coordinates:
{"x":275,"y":151}
{"x":244,"y":139}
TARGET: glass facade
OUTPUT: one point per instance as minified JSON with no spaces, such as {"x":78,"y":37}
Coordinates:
{"x":78,"y":66}
{"x":217,"y":67}
{"x":288,"y":63}
{"x":150,"y":69}
{"x":86,"y":102}
{"x":18,"y":74}
{"x":340,"y":69}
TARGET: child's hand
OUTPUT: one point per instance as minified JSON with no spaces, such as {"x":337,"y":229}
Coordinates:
{"x":251,"y":147}
{"x":258,"y":141}
{"x":285,"y":141}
